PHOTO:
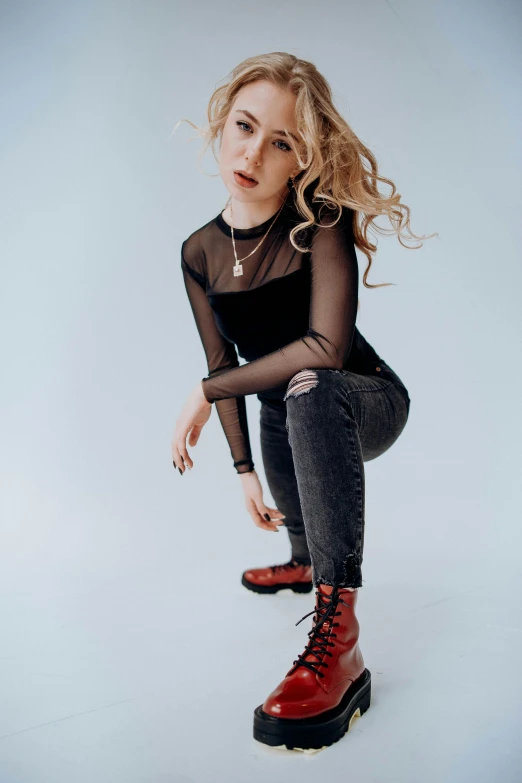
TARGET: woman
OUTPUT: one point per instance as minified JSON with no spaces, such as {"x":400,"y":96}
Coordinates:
{"x":274,"y":277}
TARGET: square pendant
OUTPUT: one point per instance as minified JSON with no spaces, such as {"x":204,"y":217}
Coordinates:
{"x":238,"y":270}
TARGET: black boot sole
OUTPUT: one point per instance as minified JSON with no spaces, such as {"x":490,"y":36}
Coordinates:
{"x":320,"y":730}
{"x":297,"y":587}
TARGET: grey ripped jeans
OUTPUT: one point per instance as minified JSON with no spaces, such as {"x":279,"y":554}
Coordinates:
{"x":313,"y":452}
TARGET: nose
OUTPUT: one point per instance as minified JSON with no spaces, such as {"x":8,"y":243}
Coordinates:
{"x":253,"y":154}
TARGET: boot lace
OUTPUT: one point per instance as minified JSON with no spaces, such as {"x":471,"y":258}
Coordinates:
{"x":319,"y":639}
{"x":285,"y":566}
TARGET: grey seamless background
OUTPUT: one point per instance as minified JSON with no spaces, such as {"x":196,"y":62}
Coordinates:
{"x":130,"y":651}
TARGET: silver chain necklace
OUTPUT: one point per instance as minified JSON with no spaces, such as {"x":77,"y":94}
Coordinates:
{"x":237,"y":268}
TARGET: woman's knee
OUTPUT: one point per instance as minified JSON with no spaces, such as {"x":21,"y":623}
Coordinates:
{"x":302,"y":383}
{"x":305,"y":380}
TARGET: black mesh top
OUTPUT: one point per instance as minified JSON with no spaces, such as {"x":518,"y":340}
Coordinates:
{"x":287,"y":312}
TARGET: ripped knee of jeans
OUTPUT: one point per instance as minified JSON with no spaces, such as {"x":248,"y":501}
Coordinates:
{"x":301,"y":383}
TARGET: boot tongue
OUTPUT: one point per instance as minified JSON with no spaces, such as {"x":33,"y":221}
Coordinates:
{"x":324,"y":600}
{"x":322,"y":606}
{"x":325,"y":628}
{"x":327,"y":624}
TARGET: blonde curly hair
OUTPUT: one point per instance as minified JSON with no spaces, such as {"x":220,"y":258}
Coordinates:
{"x":337,"y":169}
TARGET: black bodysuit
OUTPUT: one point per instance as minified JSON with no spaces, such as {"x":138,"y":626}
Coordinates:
{"x":287,"y":312}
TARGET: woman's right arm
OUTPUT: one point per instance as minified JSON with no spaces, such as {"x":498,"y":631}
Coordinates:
{"x":221,"y":355}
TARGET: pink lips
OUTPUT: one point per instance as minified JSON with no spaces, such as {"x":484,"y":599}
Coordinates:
{"x":242,"y":179}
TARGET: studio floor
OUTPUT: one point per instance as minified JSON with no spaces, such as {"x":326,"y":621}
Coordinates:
{"x":152,"y":676}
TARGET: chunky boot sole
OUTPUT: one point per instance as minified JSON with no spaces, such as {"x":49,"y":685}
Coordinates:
{"x":297,"y":587}
{"x":320,"y":730}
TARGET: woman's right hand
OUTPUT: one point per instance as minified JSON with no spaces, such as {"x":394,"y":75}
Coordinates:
{"x":255,"y":506}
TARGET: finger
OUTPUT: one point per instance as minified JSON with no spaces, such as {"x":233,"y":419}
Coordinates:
{"x":185,"y":455}
{"x":194,"y":434}
{"x":259,"y":519}
{"x":274,"y":513}
{"x":177,"y":458}
{"x":269,"y":516}
{"x":263,"y":524}
{"x":177,"y":461}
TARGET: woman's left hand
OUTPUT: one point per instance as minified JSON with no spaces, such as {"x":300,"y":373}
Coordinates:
{"x":196,"y":412}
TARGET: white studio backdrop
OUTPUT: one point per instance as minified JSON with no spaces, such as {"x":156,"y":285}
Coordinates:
{"x":119,"y":579}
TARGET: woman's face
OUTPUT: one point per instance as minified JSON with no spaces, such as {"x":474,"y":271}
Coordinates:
{"x":253,"y":140}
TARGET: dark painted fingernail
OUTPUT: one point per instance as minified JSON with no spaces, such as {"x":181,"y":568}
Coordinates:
{"x":180,"y":471}
{"x":266,"y":516}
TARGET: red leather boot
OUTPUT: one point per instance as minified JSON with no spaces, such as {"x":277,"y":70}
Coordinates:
{"x":291,"y":575}
{"x":327,"y":688}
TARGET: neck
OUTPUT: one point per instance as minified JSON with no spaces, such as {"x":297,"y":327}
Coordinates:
{"x":241,"y":214}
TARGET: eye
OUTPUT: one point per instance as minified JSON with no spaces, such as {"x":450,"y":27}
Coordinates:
{"x":287,"y":148}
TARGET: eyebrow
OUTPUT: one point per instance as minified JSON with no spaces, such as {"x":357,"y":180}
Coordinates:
{"x":279,"y":132}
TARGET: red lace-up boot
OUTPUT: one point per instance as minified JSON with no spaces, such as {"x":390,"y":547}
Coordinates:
{"x":327,"y":688}
{"x":292,"y":575}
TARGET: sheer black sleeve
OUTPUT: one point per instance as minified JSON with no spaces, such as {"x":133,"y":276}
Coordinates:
{"x":333,"y":312}
{"x":221,"y":356}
